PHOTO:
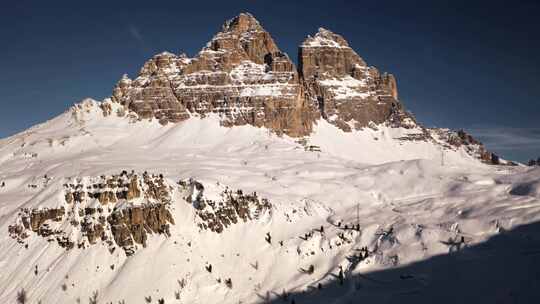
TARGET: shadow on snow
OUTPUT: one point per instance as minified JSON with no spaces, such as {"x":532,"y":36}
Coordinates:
{"x":504,"y":269}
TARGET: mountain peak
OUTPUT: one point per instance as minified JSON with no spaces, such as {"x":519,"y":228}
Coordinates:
{"x":244,"y":22}
{"x":241,"y":38}
{"x":325,"y":38}
{"x":243,"y":77}
{"x":323,"y":31}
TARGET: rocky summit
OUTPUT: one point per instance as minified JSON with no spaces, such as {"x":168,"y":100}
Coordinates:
{"x":347,"y":92}
{"x":242,"y":76}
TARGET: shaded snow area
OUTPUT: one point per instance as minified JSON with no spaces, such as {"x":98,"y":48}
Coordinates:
{"x":257,"y":218}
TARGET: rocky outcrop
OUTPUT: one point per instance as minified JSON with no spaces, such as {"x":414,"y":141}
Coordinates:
{"x":131,"y":226}
{"x":125,"y":186}
{"x":241,"y":76}
{"x":230,"y":207}
{"x":118,"y":210}
{"x":461,"y":139}
{"x":151,"y":95}
{"x":122,"y":210}
{"x":42,"y":222}
{"x":348,"y":93}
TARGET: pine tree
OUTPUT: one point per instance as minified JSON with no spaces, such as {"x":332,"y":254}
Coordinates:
{"x":311,"y":269}
{"x":228,"y":283}
{"x":284,"y":295}
{"x":340,"y":276}
{"x":21,"y":297}
{"x":94,"y":298}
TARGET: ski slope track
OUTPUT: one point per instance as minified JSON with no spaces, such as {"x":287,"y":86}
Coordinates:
{"x":408,"y":206}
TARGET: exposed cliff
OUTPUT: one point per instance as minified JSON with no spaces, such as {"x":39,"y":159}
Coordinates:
{"x":242,"y":76}
{"x":123,"y":210}
{"x":119,"y":210}
{"x":348,"y":92}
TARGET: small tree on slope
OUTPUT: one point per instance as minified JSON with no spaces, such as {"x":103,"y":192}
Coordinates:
{"x":94,"y":298}
{"x":21,"y":297}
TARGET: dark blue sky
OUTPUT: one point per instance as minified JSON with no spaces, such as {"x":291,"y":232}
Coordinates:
{"x":459,"y":64}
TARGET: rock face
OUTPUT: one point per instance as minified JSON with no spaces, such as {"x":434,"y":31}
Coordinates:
{"x":471,"y":145}
{"x":231,"y":207}
{"x":348,"y":93}
{"x":122,"y":210}
{"x":39,"y":222}
{"x":132,"y":225}
{"x":243,"y":77}
{"x":119,"y":210}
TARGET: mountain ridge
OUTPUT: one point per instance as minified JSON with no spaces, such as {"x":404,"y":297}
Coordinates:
{"x":242,"y":76}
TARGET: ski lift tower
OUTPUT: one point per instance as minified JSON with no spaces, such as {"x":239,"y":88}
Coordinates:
{"x":358,"y":215}
{"x":442,"y":156}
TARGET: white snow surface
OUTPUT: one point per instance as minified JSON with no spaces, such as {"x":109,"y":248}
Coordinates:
{"x":321,"y":40}
{"x":369,"y":173}
{"x":346,"y":87}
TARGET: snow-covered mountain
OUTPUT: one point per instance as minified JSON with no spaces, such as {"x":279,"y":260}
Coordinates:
{"x":234,"y":177}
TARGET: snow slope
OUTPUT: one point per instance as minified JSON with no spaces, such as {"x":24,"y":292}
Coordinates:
{"x":410,"y":208}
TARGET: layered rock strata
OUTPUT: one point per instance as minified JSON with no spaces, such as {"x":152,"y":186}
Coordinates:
{"x":228,"y":208}
{"x":118,"y":210}
{"x":242,"y":77}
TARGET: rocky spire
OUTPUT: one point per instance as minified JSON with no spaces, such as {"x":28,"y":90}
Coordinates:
{"x":325,"y":38}
{"x":329,"y":54}
{"x":244,"y":22}
{"x":349,"y":94}
{"x":242,"y":76}
{"x":241,"y":38}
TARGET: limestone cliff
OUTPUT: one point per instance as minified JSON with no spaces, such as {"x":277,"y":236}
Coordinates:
{"x":348,"y":92}
{"x":242,"y":77}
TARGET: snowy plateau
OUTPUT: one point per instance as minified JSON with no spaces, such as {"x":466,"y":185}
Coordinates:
{"x":99,"y":201}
